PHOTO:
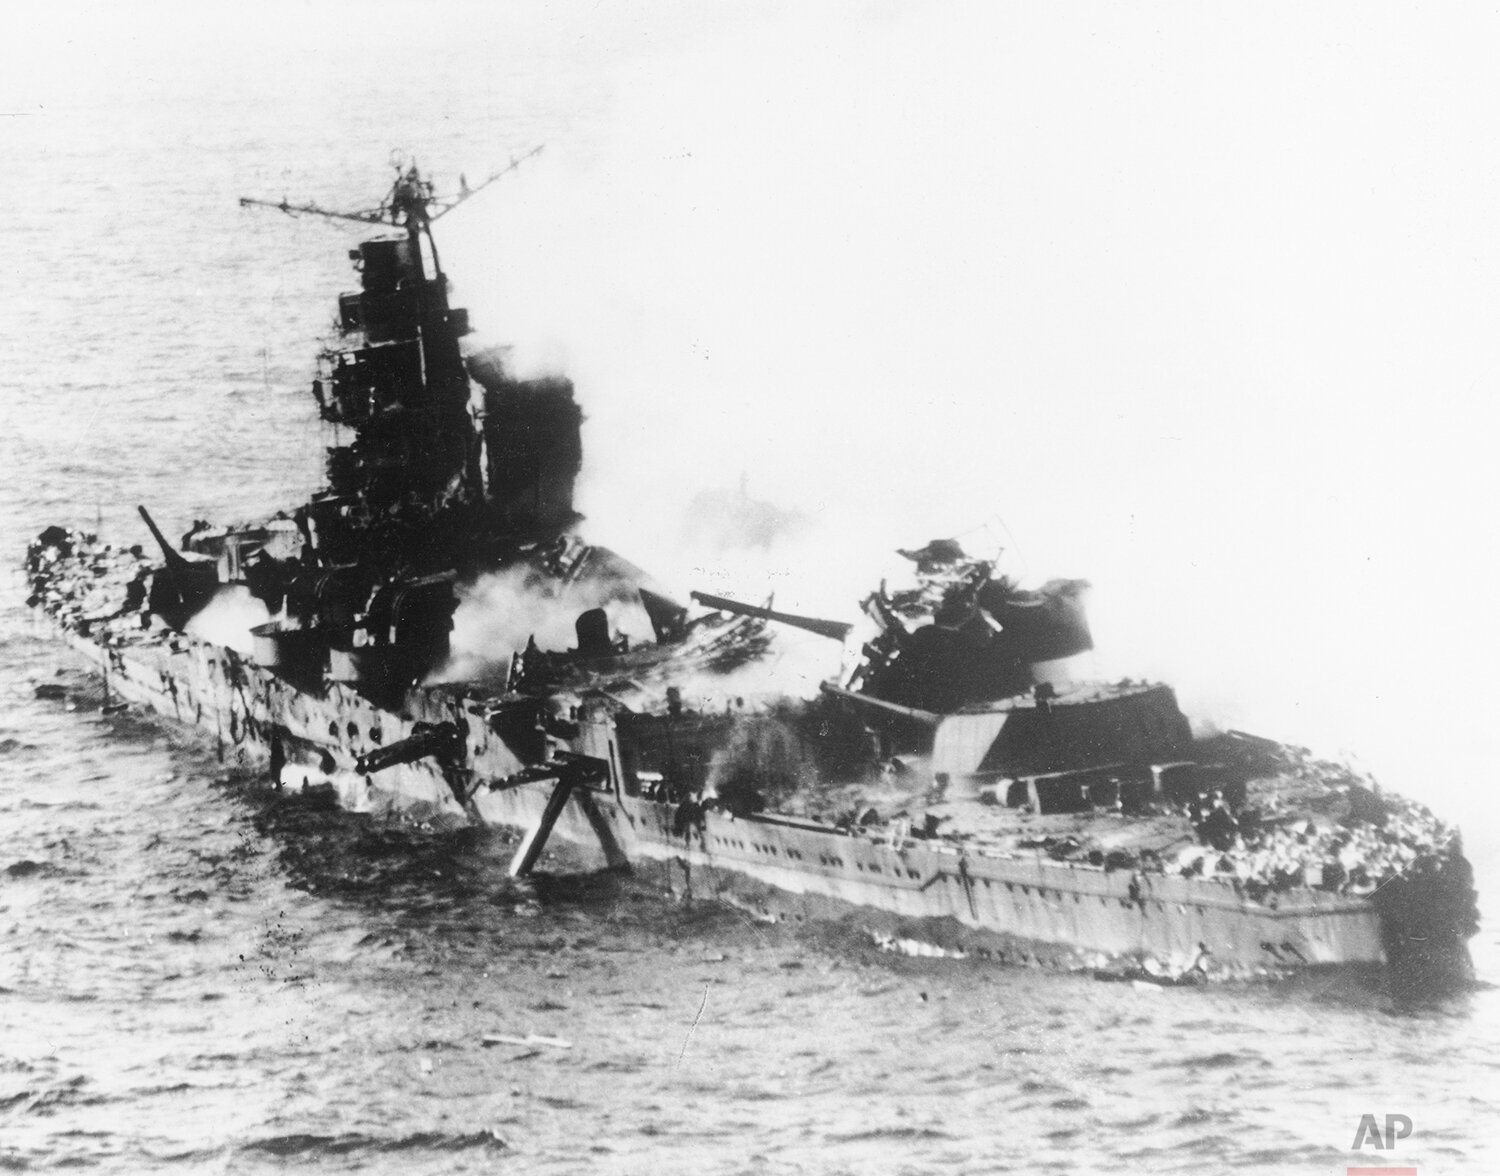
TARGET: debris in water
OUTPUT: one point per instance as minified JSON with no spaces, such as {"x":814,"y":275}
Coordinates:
{"x":531,"y":1039}
{"x":916,"y":947}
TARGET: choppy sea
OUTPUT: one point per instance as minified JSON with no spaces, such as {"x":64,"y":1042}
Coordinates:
{"x":196,"y":979}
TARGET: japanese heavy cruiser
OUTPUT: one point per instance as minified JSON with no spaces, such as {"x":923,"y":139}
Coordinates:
{"x":952,"y":790}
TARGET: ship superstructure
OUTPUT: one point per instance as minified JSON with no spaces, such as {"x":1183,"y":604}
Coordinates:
{"x":444,"y":465}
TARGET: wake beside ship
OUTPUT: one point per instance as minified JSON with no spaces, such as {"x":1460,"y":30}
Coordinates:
{"x":953,"y":790}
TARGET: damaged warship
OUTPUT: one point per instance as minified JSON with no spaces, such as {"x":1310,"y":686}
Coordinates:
{"x":951,"y":791}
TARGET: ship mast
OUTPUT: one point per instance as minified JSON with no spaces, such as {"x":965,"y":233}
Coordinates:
{"x":433,"y":478}
{"x":398,"y":378}
{"x":410,"y":203}
{"x":410,"y":198}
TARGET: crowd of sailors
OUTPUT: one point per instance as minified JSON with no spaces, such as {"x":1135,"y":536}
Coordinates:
{"x":84,"y":583}
{"x":1380,"y":838}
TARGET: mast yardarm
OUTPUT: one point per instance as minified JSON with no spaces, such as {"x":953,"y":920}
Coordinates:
{"x":410,"y":204}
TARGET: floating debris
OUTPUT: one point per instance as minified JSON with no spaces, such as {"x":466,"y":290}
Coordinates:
{"x":531,"y":1039}
{"x":918,"y":948}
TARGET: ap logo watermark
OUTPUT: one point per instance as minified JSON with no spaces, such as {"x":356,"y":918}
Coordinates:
{"x":1370,"y":1134}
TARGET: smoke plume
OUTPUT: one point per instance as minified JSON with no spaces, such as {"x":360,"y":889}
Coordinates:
{"x":499,"y":613}
{"x":1165,"y":351}
{"x":229,"y":617}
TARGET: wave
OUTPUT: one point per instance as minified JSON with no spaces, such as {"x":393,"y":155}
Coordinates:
{"x":354,"y":1142}
{"x":893,"y":1133}
{"x":26,"y":868}
{"x":1220,"y":1061}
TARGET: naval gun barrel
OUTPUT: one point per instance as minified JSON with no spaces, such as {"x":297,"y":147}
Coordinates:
{"x":929,"y":718}
{"x":837,"y":630}
{"x":178,"y":565}
{"x":440,"y":740}
{"x":188,"y":586}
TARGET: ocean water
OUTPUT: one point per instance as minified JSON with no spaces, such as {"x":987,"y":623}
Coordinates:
{"x":194,"y":978}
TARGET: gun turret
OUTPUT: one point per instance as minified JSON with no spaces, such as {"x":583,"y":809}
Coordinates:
{"x":442,"y":741}
{"x":836,"y":630}
{"x":187,"y":586}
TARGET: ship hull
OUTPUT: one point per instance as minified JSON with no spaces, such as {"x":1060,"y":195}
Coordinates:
{"x":920,"y":894}
{"x":930,"y":897}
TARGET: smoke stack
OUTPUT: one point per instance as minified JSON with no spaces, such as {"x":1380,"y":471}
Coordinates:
{"x":593,"y":633}
{"x":531,"y":435}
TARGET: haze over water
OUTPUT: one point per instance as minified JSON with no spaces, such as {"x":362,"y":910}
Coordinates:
{"x":1200,"y":308}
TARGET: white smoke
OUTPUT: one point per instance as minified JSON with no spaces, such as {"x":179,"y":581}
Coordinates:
{"x":499,"y":613}
{"x":229,"y":617}
{"x":1089,"y":274}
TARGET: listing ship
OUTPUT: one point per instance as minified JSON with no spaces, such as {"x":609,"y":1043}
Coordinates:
{"x":950,"y":791}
